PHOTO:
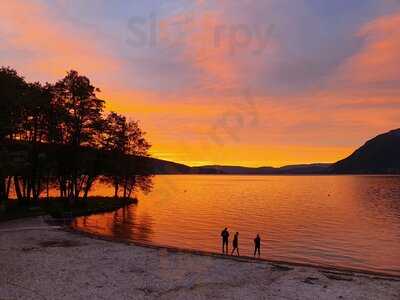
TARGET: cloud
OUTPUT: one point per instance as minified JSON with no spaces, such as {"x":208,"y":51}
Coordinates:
{"x":52,"y":44}
{"x":221,"y":47}
{"x":377,"y":65}
{"x":262,"y":82}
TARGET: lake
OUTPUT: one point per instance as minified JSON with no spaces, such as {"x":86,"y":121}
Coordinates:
{"x":341,"y":221}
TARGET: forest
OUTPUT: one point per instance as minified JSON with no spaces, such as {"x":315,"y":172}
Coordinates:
{"x":60,"y":137}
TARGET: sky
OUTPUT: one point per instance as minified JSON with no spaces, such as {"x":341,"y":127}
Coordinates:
{"x":247,"y":82}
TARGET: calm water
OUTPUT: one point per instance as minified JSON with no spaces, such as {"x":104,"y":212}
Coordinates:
{"x":344,"y":221}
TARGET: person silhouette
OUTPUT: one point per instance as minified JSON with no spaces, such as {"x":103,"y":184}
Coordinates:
{"x":225,"y":240}
{"x":257,"y":245}
{"x":236,"y":244}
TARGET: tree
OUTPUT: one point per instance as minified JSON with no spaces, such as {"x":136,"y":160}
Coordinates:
{"x":80,"y":124}
{"x":124,"y":138}
{"x":35,"y":129}
{"x":82,"y":109}
{"x":56,"y":134}
{"x":12,"y":88}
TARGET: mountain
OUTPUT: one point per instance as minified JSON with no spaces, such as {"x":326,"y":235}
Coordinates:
{"x":316,"y":168}
{"x":159,"y":166}
{"x":237,"y":169}
{"x":380,"y":155}
{"x":293,"y":169}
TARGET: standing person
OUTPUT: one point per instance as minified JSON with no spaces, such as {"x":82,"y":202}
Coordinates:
{"x":225,"y":240}
{"x":236,"y":243}
{"x":257,"y":245}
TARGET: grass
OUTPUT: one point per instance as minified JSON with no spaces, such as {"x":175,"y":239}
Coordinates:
{"x":59,"y":208}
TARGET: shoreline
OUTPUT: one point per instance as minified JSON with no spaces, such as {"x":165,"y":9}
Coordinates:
{"x":248,"y":259}
{"x":52,"y":262}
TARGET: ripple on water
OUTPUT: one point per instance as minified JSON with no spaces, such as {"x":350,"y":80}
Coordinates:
{"x":343,"y":221}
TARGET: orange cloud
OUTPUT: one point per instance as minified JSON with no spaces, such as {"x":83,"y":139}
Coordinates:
{"x":213,"y":120}
{"x":54,"y":46}
{"x":224,"y":50}
{"x":378,"y":62}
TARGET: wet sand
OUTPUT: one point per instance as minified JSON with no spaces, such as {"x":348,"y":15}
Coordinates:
{"x":38,"y":261}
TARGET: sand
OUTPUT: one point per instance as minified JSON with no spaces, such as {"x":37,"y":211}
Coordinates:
{"x":38,"y":261}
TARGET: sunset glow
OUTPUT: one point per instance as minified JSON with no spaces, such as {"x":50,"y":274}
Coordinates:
{"x":254,"y":83}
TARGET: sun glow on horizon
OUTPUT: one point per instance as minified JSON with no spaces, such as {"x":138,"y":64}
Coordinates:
{"x":274,"y":156}
{"x":215,"y":82}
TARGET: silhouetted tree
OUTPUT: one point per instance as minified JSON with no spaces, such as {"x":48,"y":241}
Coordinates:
{"x":57,"y":134}
{"x":82,"y":109}
{"x":80,"y":123}
{"x":35,"y":128}
{"x":123,"y":138}
{"x":12,"y":88}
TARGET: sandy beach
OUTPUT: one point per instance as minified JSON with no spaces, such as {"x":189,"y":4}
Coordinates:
{"x":39,"y":261}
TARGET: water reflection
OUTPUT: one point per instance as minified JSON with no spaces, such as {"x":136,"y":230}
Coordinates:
{"x":124,"y":223}
{"x":344,"y":221}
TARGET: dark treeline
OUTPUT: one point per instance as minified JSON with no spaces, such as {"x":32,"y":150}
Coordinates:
{"x":59,"y":136}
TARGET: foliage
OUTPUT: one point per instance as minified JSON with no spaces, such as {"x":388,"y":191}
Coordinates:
{"x":58,"y":135}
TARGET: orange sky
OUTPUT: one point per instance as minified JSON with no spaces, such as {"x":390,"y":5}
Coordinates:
{"x":250,"y":82}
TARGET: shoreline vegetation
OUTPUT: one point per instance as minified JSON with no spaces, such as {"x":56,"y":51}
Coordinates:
{"x":60,"y":209}
{"x":100,"y":268}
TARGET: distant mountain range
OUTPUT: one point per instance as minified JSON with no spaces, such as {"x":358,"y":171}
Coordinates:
{"x":381,"y":155}
{"x":167,"y":167}
{"x":293,"y":169}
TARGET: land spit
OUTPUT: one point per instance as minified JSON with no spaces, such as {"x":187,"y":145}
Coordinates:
{"x":39,"y":261}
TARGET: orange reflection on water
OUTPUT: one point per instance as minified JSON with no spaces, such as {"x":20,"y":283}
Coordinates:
{"x":122,"y":224}
{"x":345,"y":221}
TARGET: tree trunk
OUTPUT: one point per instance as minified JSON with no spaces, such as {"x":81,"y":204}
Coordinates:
{"x":28,"y":190}
{"x":70,"y":191}
{"x":132,"y":184}
{"x":3,"y":191}
{"x":63,"y":187}
{"x":131,"y":188}
{"x":8,"y":187}
{"x":47,"y":187}
{"x":25,"y":189}
{"x":36,"y":176}
{"x":125,"y":186}
{"x":116,"y":188}
{"x":75,"y":192}
{"x":36,"y":190}
{"x":88,"y":186}
{"x":17,"y":189}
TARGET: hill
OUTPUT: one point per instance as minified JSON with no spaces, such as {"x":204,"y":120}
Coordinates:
{"x":286,"y":170}
{"x":380,"y":155}
{"x":159,"y":166}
